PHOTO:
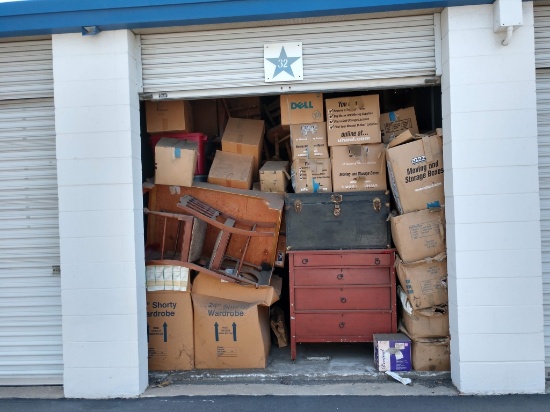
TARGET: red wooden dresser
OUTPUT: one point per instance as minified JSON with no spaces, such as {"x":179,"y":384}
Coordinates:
{"x":341,"y":295}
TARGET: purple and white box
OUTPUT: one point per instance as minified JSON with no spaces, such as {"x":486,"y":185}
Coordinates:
{"x":392,"y":352}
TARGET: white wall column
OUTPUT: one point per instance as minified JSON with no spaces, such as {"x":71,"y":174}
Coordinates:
{"x":492,"y":204}
{"x":97,"y":82}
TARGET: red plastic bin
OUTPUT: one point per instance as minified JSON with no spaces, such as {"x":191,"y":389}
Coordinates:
{"x":195,"y":137}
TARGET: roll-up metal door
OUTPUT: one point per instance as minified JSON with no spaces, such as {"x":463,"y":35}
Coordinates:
{"x":343,"y":55}
{"x":26,"y":69}
{"x":542,"y":59}
{"x":30,"y":291}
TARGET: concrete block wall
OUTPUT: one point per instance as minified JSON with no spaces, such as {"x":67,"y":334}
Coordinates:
{"x":96,"y":84}
{"x":492,"y":203}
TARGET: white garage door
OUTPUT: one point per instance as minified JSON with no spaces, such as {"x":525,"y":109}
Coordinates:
{"x":542,"y":50}
{"x":30,"y":291}
{"x":343,"y":55}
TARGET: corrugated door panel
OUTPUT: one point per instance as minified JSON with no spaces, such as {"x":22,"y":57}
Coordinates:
{"x":543,"y":109}
{"x":26,"y":69}
{"x":542,"y":37}
{"x":30,"y":295}
{"x":337,"y":55}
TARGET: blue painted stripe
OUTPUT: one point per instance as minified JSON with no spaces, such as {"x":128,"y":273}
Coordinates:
{"x":31,"y":17}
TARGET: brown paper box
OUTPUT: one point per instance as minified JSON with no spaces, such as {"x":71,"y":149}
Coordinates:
{"x":168,"y":116}
{"x":353,"y":120}
{"x":175,"y":162}
{"x":419,"y":235}
{"x":358,"y":168}
{"x":403,"y":119}
{"x":416,"y":173}
{"x":309,"y":141}
{"x":311,"y":176}
{"x":301,"y":108}
{"x":432,"y":322}
{"x":274,"y":176}
{"x":232,"y":327}
{"x":424,"y":282}
{"x":245,"y":136}
{"x":231,"y":170}
{"x":170,"y":330}
{"x":430,"y":354}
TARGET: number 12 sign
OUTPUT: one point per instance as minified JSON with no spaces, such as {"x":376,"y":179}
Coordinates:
{"x":283,"y":62}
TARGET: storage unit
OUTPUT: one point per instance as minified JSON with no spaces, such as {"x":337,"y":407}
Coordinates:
{"x":31,"y":350}
{"x":341,"y":296}
{"x":542,"y":60}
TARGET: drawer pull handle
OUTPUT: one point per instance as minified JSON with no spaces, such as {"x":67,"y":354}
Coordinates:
{"x":376,"y":261}
{"x":343,"y":300}
{"x":341,"y":325}
{"x":340,"y":276}
{"x":304,"y":261}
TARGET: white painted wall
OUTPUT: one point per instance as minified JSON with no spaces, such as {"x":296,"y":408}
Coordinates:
{"x":492,"y":204}
{"x":100,"y":214}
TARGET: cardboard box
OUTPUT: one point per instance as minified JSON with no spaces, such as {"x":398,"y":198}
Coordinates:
{"x":311,"y":176}
{"x":396,"y":122}
{"x":432,"y":322}
{"x":431,"y":354}
{"x":170,"y":331}
{"x":302,"y":108}
{"x":416,"y":173}
{"x":232,"y":328}
{"x":358,"y":168}
{"x":274,"y":176}
{"x":392,"y":352}
{"x":424,"y":282}
{"x":309,"y":141}
{"x":245,"y":136}
{"x":246,"y":107}
{"x":419,"y":235}
{"x":168,"y":116}
{"x":231,"y":170}
{"x":353,"y":120}
{"x":175,"y":162}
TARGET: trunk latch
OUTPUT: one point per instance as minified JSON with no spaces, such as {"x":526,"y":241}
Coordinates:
{"x":376,"y":204}
{"x":336,"y":199}
{"x":297,"y":206}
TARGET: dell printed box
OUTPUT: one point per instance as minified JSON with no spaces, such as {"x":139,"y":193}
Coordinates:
{"x":302,"y":108}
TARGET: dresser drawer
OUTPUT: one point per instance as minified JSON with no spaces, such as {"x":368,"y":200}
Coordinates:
{"x":345,"y":325}
{"x":341,"y":259}
{"x":342,"y":276}
{"x":345,"y":298}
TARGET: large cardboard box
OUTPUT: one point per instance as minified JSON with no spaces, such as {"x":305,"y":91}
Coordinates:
{"x":357,"y":168}
{"x":392,"y":352}
{"x":175,"y":162}
{"x":353,"y":120}
{"x":274,"y":176}
{"x":431,"y":354}
{"x":416,"y":173}
{"x":232,"y":327}
{"x":419,"y":235}
{"x":309,"y":141}
{"x":301,"y":108}
{"x":396,"y":122}
{"x":424,"y":282}
{"x":311,"y":176}
{"x":245,"y":136}
{"x":168,"y":116}
{"x":432,"y":322}
{"x":170,"y":330}
{"x":231,"y":170}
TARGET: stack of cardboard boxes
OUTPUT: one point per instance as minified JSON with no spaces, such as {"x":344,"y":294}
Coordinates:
{"x":415,"y":168}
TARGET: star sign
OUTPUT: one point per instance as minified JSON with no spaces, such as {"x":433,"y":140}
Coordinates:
{"x":282,"y":63}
